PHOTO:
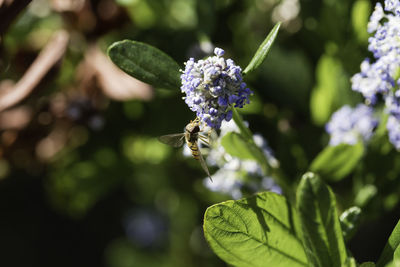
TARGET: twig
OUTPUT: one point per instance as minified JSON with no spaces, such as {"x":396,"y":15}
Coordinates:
{"x":47,"y":58}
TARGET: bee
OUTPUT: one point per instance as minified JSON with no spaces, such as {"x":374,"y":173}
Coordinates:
{"x":191,"y":137}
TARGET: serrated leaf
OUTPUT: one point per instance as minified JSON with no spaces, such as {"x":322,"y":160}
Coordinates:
{"x":263,"y":50}
{"x":262,"y":230}
{"x":322,"y":235}
{"x":349,"y":221}
{"x":146,"y":63}
{"x":336,"y":162}
{"x":390,"y":247}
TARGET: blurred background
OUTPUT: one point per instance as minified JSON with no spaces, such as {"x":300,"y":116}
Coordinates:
{"x":83,"y":179}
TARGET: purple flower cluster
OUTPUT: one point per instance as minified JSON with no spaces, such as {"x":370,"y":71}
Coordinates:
{"x":212,"y":87}
{"x":381,"y":77}
{"x":349,"y":126}
{"x":392,"y":6}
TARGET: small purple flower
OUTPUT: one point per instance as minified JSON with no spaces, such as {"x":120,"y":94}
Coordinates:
{"x":375,"y":18}
{"x":228,"y":116}
{"x":219,"y":52}
{"x":374,"y":79}
{"x":349,"y":126}
{"x":392,"y":6}
{"x":392,"y":103}
{"x":393,"y":127}
{"x":213,"y":87}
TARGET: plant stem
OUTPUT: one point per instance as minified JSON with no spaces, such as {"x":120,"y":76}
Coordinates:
{"x":244,"y":131}
{"x":275,"y":172}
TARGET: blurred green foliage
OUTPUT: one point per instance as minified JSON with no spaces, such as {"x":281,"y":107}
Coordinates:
{"x":71,"y":208}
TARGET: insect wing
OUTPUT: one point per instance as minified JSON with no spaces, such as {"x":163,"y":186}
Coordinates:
{"x":175,"y":140}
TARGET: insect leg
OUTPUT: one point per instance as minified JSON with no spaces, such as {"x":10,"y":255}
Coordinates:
{"x":204,"y":139}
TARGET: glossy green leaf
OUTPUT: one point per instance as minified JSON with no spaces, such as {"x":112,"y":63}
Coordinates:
{"x":262,"y":230}
{"x":322,"y":235}
{"x":336,"y":162}
{"x":263,"y":50}
{"x":145,"y":63}
{"x":390,"y":247}
{"x":349,"y":221}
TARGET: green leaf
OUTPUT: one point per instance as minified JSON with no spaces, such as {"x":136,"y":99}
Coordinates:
{"x":336,"y":162}
{"x":349,"y":221}
{"x":350,"y":262}
{"x":396,"y":254}
{"x":331,"y":89}
{"x":322,"y":235}
{"x":146,"y":63}
{"x":390,"y":247}
{"x":365,"y":194}
{"x":360,"y":13}
{"x":255,"y":106}
{"x":235,"y":145}
{"x":367,"y":264}
{"x":263,"y":50}
{"x":396,"y":258}
{"x":262,"y":230}
{"x":392,"y":264}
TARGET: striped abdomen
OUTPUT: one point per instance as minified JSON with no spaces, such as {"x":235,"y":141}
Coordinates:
{"x":195,"y":149}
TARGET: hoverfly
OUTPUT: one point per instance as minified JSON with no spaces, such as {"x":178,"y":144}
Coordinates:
{"x":190,"y":136}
